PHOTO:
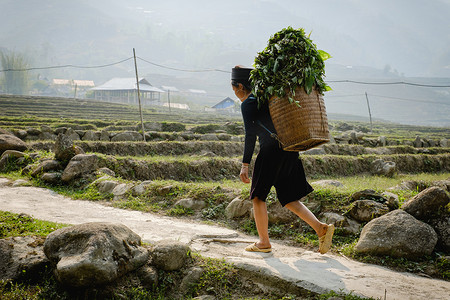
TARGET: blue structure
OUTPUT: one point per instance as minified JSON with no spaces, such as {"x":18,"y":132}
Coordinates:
{"x":224,"y":104}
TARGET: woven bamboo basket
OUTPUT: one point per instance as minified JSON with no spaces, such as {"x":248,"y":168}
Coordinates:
{"x":300,"y":128}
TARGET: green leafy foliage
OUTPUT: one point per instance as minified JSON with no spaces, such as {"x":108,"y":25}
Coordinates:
{"x":290,"y":60}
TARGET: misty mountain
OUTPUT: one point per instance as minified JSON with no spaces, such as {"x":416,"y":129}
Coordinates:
{"x":368,"y":40}
{"x":409,"y":36}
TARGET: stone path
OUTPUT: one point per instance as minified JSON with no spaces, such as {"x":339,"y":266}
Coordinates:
{"x":296,"y":266}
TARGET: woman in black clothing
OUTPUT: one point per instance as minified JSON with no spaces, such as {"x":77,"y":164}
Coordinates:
{"x":273,"y":167}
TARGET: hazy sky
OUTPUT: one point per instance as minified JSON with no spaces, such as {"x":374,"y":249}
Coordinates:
{"x":372,"y":39}
{"x":410,"y":36}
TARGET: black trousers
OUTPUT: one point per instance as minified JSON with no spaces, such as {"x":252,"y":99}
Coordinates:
{"x":283,"y":170}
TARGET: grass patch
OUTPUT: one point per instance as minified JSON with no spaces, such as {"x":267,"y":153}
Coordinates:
{"x":85,"y":192}
{"x":179,"y":210}
{"x":161,"y":195}
{"x":382,"y":183}
{"x":219,"y":278}
{"x":23,"y":225}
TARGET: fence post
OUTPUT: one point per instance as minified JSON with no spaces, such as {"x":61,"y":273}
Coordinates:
{"x":370,"y":115}
{"x":139,"y":94}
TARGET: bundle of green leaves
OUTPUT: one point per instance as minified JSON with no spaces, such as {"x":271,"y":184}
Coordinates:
{"x":289,"y":61}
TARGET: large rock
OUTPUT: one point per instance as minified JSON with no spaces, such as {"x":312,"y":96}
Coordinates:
{"x":72,"y":134}
{"x":21,"y":257}
{"x":148,"y":276}
{"x":8,"y":157}
{"x":391,"y":200}
{"x":278,"y":214}
{"x":13,"y":153}
{"x":92,"y":254}
{"x":443,"y":184}
{"x":4,"y":131}
{"x":105,"y":171}
{"x":46,"y":166}
{"x":106,"y":186}
{"x":397,"y":234}
{"x":127,"y":136}
{"x":441,"y":225}
{"x":366,"y":210}
{"x":63,"y":148}
{"x":190,"y":203}
{"x":151,"y":126}
{"x":238,"y":208}
{"x":80,"y":165}
{"x":325,"y":183}
{"x":384,"y":168}
{"x":209,"y":137}
{"x":427,"y":203}
{"x":45,"y":135}
{"x":141,"y":188}
{"x":122,"y":190}
{"x":170,"y":255}
{"x":51,"y":177}
{"x":347,"y":226}
{"x":11,"y":142}
{"x":410,"y":186}
{"x":21,"y":134}
{"x":91,"y":135}
{"x":104,"y":136}
{"x":368,"y":195}
{"x":191,"y":279}
{"x":33,"y":131}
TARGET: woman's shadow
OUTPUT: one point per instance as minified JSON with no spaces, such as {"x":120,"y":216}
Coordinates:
{"x":318,"y":274}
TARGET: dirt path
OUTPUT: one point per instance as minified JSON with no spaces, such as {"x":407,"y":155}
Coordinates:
{"x":296,"y":266}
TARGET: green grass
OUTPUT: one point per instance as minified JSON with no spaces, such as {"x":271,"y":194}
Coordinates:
{"x":219,"y":278}
{"x":25,"y":112}
{"x":436,"y":265}
{"x":23,"y":225}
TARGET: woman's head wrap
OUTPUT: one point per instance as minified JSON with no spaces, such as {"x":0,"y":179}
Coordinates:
{"x":240,"y":74}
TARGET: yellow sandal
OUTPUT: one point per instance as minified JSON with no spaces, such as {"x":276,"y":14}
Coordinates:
{"x":325,"y":240}
{"x":254,"y":248}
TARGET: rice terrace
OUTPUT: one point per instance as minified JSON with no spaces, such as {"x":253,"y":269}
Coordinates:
{"x":188,"y":168}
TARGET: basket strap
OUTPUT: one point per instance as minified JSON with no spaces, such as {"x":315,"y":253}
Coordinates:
{"x":272,"y":134}
{"x":321,"y":114}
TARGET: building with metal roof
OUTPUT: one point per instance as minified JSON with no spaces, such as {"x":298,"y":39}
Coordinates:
{"x":125,"y":90}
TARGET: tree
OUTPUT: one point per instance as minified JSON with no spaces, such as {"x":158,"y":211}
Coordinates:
{"x":15,"y":81}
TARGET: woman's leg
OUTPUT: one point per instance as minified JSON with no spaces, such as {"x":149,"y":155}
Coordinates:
{"x":262,"y":222}
{"x":306,"y":215}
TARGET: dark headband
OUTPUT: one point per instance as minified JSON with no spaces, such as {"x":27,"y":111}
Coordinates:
{"x":240,"y":74}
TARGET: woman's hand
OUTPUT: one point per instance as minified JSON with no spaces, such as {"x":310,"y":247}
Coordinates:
{"x":244,"y":173}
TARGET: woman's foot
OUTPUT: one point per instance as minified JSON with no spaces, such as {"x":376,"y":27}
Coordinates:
{"x":325,"y":239}
{"x":257,"y":247}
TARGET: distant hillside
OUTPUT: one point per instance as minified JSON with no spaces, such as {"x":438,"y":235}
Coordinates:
{"x":409,"y":35}
{"x":390,"y":39}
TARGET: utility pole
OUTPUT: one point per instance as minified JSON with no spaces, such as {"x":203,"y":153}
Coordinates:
{"x":370,"y":115}
{"x":75,"y":94}
{"x":168,"y":98}
{"x":139,"y":94}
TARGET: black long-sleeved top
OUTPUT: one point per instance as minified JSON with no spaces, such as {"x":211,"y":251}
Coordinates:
{"x":251,"y":115}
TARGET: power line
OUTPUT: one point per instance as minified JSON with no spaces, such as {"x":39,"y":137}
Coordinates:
{"x":66,"y":66}
{"x":183,"y":70}
{"x":341,"y":96}
{"x":389,"y":83}
{"x":387,"y":97}
{"x":212,"y":70}
{"x":411,"y":100}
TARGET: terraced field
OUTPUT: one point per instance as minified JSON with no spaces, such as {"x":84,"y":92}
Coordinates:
{"x":197,"y":155}
{"x":181,"y":145}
